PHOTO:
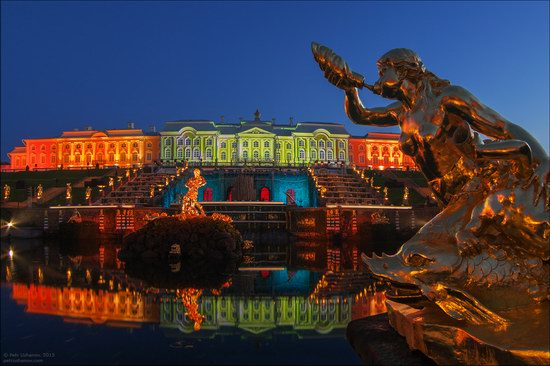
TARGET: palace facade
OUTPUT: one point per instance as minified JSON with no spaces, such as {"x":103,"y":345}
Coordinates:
{"x":204,"y":142}
{"x":88,"y":148}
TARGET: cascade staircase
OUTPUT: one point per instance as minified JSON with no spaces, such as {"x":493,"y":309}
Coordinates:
{"x":345,"y":188}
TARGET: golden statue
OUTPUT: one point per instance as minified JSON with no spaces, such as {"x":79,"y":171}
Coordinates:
{"x":88,"y":193}
{"x":151,"y":191}
{"x":190,"y":205}
{"x":7,"y":192}
{"x":386,"y":195}
{"x":405,"y":196}
{"x":111,"y":182}
{"x":68,"y":191}
{"x":39,"y":192}
{"x":480,"y":268}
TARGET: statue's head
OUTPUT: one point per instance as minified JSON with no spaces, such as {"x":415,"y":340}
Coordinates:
{"x":400,"y":65}
{"x":197,"y":172}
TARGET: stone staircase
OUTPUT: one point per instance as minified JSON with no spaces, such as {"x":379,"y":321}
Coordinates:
{"x":344,"y":188}
{"x":338,"y":283}
{"x":137,"y":190}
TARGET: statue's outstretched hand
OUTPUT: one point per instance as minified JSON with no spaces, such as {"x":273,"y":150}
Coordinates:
{"x":336,"y":70}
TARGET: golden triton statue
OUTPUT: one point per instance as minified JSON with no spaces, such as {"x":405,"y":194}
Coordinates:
{"x":190,"y":205}
{"x":7,"y":192}
{"x":479,"y":270}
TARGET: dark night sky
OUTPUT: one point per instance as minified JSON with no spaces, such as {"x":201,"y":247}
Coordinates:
{"x":67,"y":65}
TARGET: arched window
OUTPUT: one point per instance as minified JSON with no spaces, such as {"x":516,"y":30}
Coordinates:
{"x":111,"y":157}
{"x":290,"y":197}
{"x":88,"y":159}
{"x":386,"y":159}
{"x":342,"y":155}
{"x":302,"y":154}
{"x":313,"y":154}
{"x":312,"y":143}
{"x":329,"y":144}
{"x":288,"y":157}
{"x":78,"y":146}
{"x":329,"y":155}
{"x":52,"y":158}
{"x":234,"y":144}
{"x":33,"y":148}
{"x":209,"y":142}
{"x":67,"y":158}
{"x":100,"y":157}
{"x":361,"y":147}
{"x":223,"y":145}
{"x":149,"y":156}
{"x":341,"y":144}
{"x":188,"y":153}
{"x":223,"y":156}
{"x":245,"y":143}
{"x":89,"y":146}
{"x":278,"y":156}
{"x":267,"y":155}
{"x":256,"y":144}
{"x":266,"y":143}
{"x":168,"y":153}
{"x":301,"y":143}
{"x":68,"y":147}
{"x":179,"y":153}
{"x":43,"y":147}
{"x":123,"y":145}
{"x":361,"y":158}
{"x":289,"y":146}
{"x":42,"y":159}
{"x":234,"y":156}
{"x":322,"y":144}
{"x":112,"y":146}
{"x":122,"y":157}
{"x":196,"y":153}
{"x":209,"y":153}
{"x":245,"y":154}
{"x":197,"y":141}
{"x":256,"y":154}
{"x":100,"y":146}
{"x":149,"y":145}
{"x":375,"y":159}
{"x":321,"y":154}
{"x":187,"y":141}
{"x":207,"y":195}
{"x":180,"y":141}
{"x":265,"y":194}
{"x":77,"y":158}
{"x":135,"y":157}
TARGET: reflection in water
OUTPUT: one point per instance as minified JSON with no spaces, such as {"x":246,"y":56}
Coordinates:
{"x":317,"y":289}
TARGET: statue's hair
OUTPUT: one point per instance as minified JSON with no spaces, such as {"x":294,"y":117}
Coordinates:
{"x":408,"y":64}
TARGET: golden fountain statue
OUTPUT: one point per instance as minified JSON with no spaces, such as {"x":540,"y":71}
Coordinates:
{"x":7,"y":192}
{"x":39,"y":192}
{"x":68,"y":191}
{"x":190,"y":205}
{"x":475,"y":277}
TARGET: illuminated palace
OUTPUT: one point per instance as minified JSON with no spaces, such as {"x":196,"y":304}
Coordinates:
{"x":203,"y":142}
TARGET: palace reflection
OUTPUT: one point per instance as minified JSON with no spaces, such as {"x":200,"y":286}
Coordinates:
{"x":310,"y":290}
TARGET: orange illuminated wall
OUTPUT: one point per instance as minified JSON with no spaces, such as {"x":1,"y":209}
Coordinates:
{"x":378,"y":151}
{"x":88,"y":148}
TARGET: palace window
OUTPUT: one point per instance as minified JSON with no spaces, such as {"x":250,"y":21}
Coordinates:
{"x":209,"y":142}
{"x":245,"y":143}
{"x":187,"y":153}
{"x":111,"y":157}
{"x":313,"y":155}
{"x":342,"y":155}
{"x":43,"y":147}
{"x":99,"y":157}
{"x":209,"y":153}
{"x":245,"y":155}
{"x":395,"y":160}
{"x":256,"y":154}
{"x":53,"y":147}
{"x":179,"y":153}
{"x":234,"y":144}
{"x":149,"y":156}
{"x":187,"y":141}
{"x":329,"y":144}
{"x":112,"y":146}
{"x":288,"y":157}
{"x":256,"y":144}
{"x":386,"y":160}
{"x":88,"y":159}
{"x":78,"y":146}
{"x":329,"y":155}
{"x":267,"y":155}
{"x":196,"y":153}
{"x":168,"y":141}
{"x":302,"y":154}
{"x":301,"y":143}
{"x":100,"y":146}
{"x":266,"y":143}
{"x":52,"y":159}
{"x":341,"y":145}
{"x":223,"y":155}
{"x":313,"y":143}
{"x":135,"y":157}
{"x":67,"y":159}
{"x":234,"y":155}
{"x":197,"y":141}
{"x":123,"y":157}
{"x":278,"y":156}
{"x":77,"y":158}
{"x":321,"y":154}
{"x":89,"y":146}
{"x":278,"y":145}
{"x":123,"y":145}
{"x":33,"y":148}
{"x":167,"y":153}
{"x":67,"y":147}
{"x":135,"y":145}
{"x":288,"y":146}
{"x":42,"y":159}
{"x":362,"y":159}
{"x":322,"y":144}
{"x":149,"y":145}
{"x":180,"y":141}
{"x":361,"y":147}
{"x":223,"y":145}
{"x":385,"y":149}
{"x":375,"y":159}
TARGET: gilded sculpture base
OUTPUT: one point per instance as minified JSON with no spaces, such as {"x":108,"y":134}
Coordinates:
{"x":449,"y":341}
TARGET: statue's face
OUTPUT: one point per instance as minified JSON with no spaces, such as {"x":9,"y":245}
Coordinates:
{"x":389,"y":82}
{"x":197,"y":172}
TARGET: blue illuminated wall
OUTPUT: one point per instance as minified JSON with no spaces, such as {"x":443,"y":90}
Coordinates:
{"x":278,"y":184}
